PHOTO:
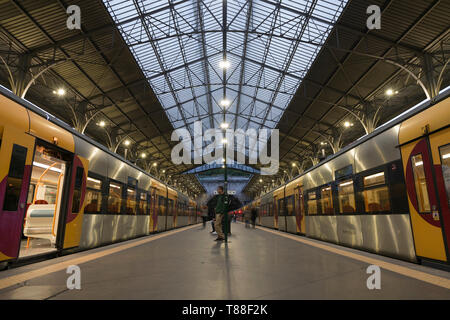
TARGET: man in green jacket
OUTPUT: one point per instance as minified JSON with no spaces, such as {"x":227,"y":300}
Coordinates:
{"x":221,"y":210}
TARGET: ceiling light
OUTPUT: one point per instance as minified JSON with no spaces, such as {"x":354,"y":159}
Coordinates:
{"x":345,"y":183}
{"x":102,"y":123}
{"x":60,"y":92}
{"x":376,"y":175}
{"x":294,"y":164}
{"x":389,"y":92}
{"x":127,"y":142}
{"x":348,"y":124}
{"x":225,"y":103}
{"x":155,"y":164}
{"x":44,"y":166}
{"x":224,"y":125}
{"x":224,"y":141}
{"x":143,"y":155}
{"x":224,"y":64}
{"x":94,"y":180}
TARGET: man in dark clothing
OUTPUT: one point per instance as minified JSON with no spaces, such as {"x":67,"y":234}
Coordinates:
{"x":221,"y":210}
{"x":253,"y":217}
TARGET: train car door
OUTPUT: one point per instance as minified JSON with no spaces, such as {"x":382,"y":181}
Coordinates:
{"x":282,"y":214}
{"x":16,"y":158}
{"x":275,"y":212}
{"x":46,"y":201}
{"x":440,"y":156}
{"x":75,"y":204}
{"x":428,"y":212}
{"x":153,"y":211}
{"x":299,"y":210}
{"x":175,"y":211}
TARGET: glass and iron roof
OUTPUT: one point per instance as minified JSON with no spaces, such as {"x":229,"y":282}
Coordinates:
{"x":268,"y":44}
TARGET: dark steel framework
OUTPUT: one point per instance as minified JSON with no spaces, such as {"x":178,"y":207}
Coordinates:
{"x":304,"y":67}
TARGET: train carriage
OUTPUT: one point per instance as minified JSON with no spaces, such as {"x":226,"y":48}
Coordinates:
{"x":61,"y":190}
{"x":388,"y":192}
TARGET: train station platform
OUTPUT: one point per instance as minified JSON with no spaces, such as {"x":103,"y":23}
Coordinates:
{"x":256,"y":264}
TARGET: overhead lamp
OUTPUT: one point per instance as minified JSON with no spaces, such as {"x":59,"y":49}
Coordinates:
{"x":155,"y":164}
{"x":223,"y":167}
{"x":225,"y":103}
{"x":164,"y":171}
{"x":224,"y":141}
{"x":224,"y":125}
{"x":102,"y":124}
{"x":294,"y":164}
{"x":60,"y":92}
{"x":143,"y":155}
{"x":260,"y":180}
{"x":127,"y":142}
{"x":348,"y":124}
{"x":224,"y":64}
{"x":389,"y":92}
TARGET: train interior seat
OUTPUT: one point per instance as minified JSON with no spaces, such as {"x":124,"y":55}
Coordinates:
{"x":348,"y":209}
{"x":374,"y":207}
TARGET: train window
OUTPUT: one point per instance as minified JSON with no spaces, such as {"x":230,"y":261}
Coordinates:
{"x":93,"y":196}
{"x":326,"y":200}
{"x":290,"y":205}
{"x":346,"y":197}
{"x":376,"y":193}
{"x":162,"y":205}
{"x":76,"y":198}
{"x":312,"y":203}
{"x":31,"y":193}
{"x":114,"y":198}
{"x":131,"y":201}
{"x":15,"y":176}
{"x":445,"y":161}
{"x":374,"y":179}
{"x":420,"y":183}
{"x":143,"y":203}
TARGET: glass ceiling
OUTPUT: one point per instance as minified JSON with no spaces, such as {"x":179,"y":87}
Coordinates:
{"x":269,"y":44}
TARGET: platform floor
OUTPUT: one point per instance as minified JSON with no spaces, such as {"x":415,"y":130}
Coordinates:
{"x":256,"y":264}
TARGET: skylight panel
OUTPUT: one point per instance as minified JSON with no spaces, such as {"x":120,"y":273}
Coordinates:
{"x":173,"y":53}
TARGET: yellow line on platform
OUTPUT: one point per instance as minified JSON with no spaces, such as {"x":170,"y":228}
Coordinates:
{"x":419,"y":275}
{"x":19,"y":278}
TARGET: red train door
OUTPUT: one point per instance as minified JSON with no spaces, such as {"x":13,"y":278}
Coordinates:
{"x":440,"y":157}
{"x":426,"y":190}
{"x":16,"y":158}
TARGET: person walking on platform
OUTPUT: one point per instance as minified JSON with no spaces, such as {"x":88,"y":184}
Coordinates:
{"x":204,"y":215}
{"x":220,"y":212}
{"x":212,"y":217}
{"x":247,"y":216}
{"x":254,"y":214}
